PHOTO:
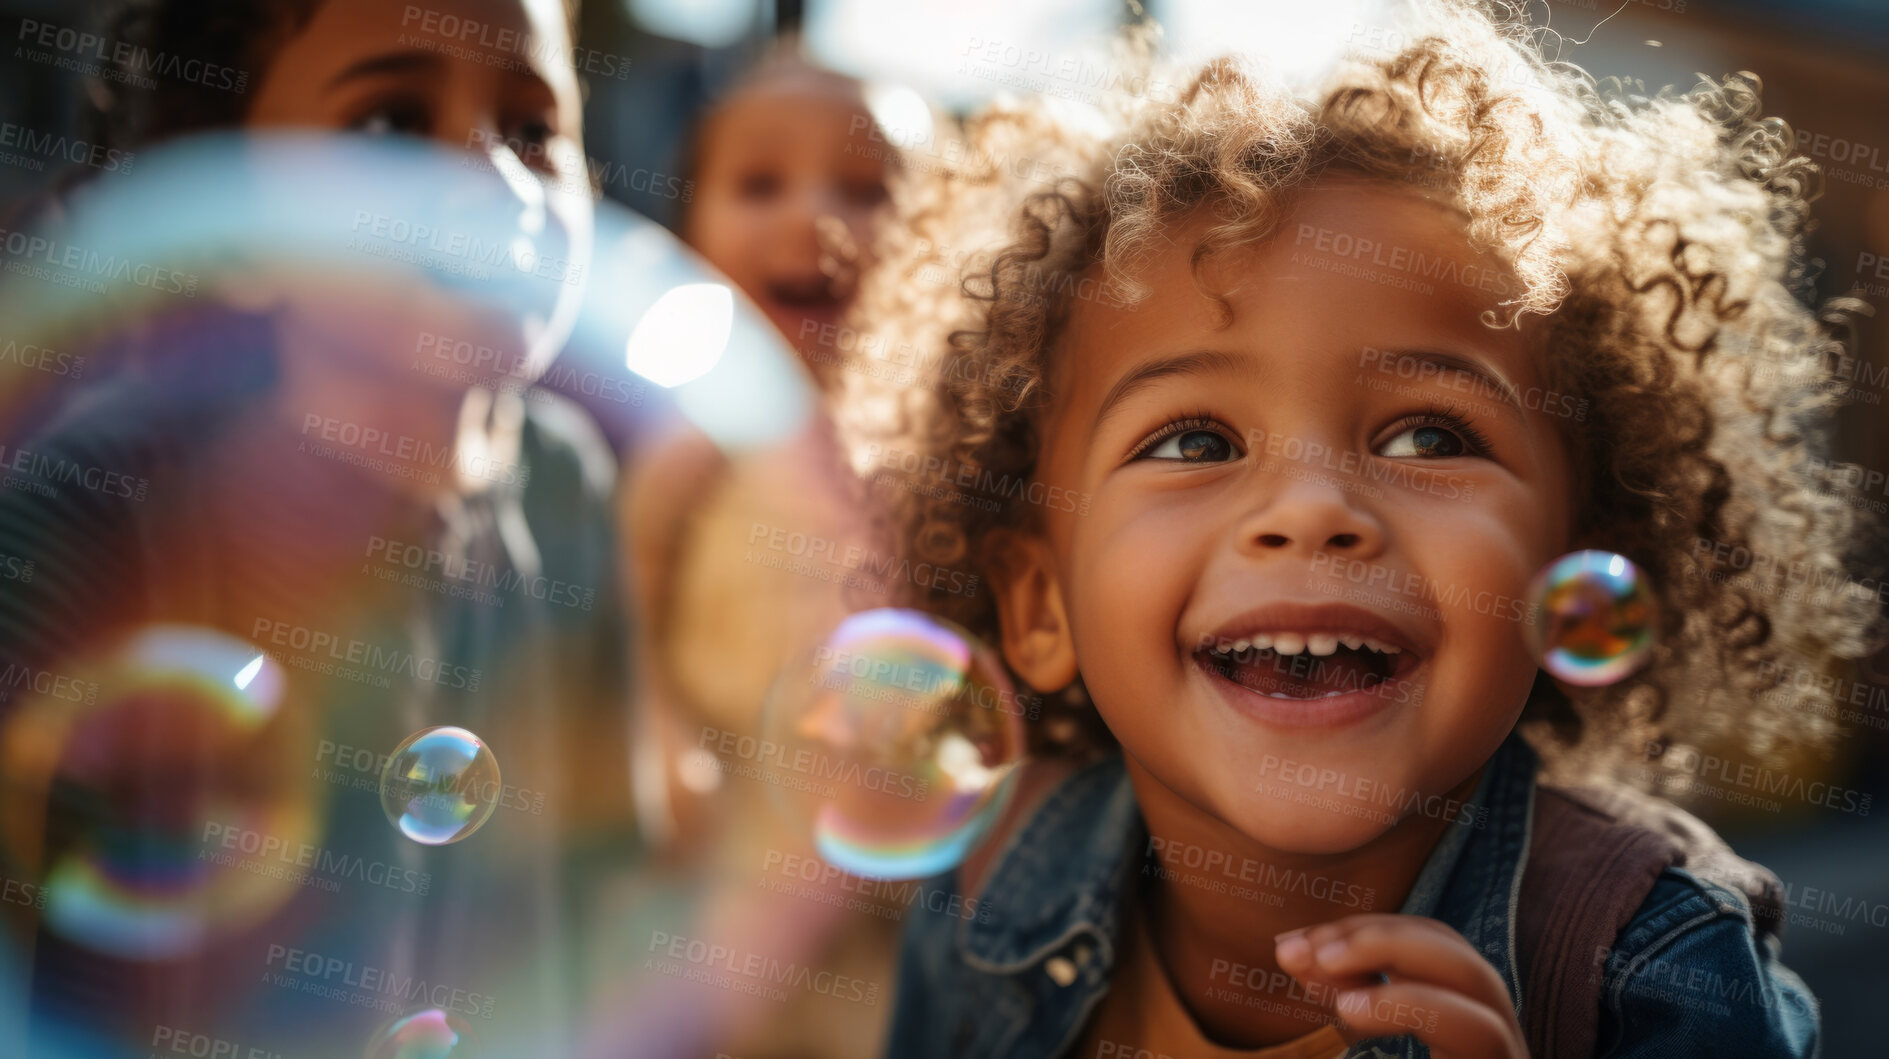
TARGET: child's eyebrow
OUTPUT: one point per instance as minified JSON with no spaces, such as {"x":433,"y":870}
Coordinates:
{"x":397,"y":62}
{"x":1489,"y":378}
{"x":1198,"y":362}
{"x":1206,"y":361}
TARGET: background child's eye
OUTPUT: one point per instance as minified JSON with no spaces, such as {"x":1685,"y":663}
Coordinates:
{"x":1192,"y":445}
{"x":1427,"y":440}
{"x":394,"y":118}
{"x":531,"y":132}
{"x":759,"y":185}
{"x":531,"y":139}
{"x":863,"y":192}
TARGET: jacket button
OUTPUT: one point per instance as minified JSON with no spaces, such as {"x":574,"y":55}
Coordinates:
{"x":1061,"y":971}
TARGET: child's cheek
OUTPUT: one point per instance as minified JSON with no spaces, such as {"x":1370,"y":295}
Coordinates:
{"x":1129,"y":582}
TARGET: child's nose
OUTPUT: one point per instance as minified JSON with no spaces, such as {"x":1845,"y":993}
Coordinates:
{"x":814,"y":228}
{"x":1307,"y":518}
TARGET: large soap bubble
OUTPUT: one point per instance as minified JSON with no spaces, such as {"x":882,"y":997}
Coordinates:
{"x":149,"y":789}
{"x":896,"y":742}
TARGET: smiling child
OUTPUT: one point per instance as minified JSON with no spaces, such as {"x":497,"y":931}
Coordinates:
{"x":1334,"y":375}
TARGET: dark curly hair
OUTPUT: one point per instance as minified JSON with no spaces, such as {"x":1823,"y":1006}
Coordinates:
{"x":1658,"y":239}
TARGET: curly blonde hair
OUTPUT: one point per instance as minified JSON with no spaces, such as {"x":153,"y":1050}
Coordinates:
{"x":1658,"y":238}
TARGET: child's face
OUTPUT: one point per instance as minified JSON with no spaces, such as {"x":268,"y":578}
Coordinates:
{"x":1269,"y":461}
{"x":773,"y":163}
{"x":491,"y":78}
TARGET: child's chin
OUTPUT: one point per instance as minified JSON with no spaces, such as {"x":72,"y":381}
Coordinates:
{"x":1313,"y":829}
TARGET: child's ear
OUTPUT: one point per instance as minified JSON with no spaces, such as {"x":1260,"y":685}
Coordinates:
{"x":1030,"y":608}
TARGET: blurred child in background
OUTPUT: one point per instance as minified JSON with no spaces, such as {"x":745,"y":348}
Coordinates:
{"x":261,"y":524}
{"x":788,"y":188}
{"x":790,"y":182}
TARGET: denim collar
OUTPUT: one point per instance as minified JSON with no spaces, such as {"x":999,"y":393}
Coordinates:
{"x":1061,"y":875}
{"x":1060,"y":879}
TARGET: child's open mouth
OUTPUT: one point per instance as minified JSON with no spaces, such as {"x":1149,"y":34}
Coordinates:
{"x":1314,"y":666}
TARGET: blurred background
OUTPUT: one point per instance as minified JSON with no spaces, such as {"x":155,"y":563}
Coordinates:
{"x":1820,"y":61}
{"x":641,"y":884}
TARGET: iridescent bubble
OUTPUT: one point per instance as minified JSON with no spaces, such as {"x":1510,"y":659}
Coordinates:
{"x":122,"y":772}
{"x":440,"y":785}
{"x":428,"y":1034}
{"x":279,"y":214}
{"x":901,"y":734}
{"x":1594,"y":618}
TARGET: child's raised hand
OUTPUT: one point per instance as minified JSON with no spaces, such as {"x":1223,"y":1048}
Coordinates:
{"x":1440,"y":990}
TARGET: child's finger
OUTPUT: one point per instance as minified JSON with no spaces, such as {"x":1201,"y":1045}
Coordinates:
{"x":1297,"y":958}
{"x":1408,"y":948}
{"x":1451,"y":1024}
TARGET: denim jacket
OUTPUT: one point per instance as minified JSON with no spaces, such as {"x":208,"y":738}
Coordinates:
{"x":1689,"y":976}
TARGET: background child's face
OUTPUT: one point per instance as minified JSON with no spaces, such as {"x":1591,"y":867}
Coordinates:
{"x":508,"y":97}
{"x":772,"y":163}
{"x":1271,"y":460}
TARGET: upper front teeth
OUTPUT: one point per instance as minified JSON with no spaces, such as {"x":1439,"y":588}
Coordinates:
{"x":1319,"y":643}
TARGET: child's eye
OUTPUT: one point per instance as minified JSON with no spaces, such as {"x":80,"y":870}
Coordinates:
{"x":394,"y":118}
{"x":1438,"y":434}
{"x":530,"y":139}
{"x":759,"y":185}
{"x":533,"y":132}
{"x":1196,"y":440}
{"x":1430,"y":441}
{"x":863,"y":192}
